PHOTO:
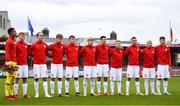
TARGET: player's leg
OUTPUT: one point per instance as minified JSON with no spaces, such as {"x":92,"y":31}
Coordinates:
{"x":44,"y":78}
{"x":60,"y":76}
{"x":112,"y":79}
{"x":68,"y":76}
{"x":152,"y":77}
{"x":146,"y":79}
{"x":76,"y":81}
{"x":106,"y":75}
{"x":119,"y":79}
{"x":137,"y":84}
{"x":24,"y":78}
{"x":92,"y":80}
{"x":36,"y":69}
{"x":8,"y":96}
{"x":99,"y":75}
{"x":53,"y":76}
{"x":166,"y":77}
{"x":87,"y":70}
{"x":129,"y":76}
{"x":17,"y":77}
{"x":160,"y":76}
{"x":52,"y":86}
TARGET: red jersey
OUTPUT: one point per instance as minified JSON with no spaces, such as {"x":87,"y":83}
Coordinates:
{"x":163,"y":55}
{"x":10,"y":49}
{"x":102,"y":54}
{"x":148,"y":57}
{"x":72,"y":53}
{"x":117,"y":56}
{"x":21,"y":53}
{"x":57,"y":52}
{"x":39,"y":52}
{"x":88,"y":53}
{"x":133,"y":53}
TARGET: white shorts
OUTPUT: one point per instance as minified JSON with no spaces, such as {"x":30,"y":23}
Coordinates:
{"x":163,"y":71}
{"x":133,"y":71}
{"x":149,"y":73}
{"x":72,"y":72}
{"x":22,"y":71}
{"x":102,"y":70}
{"x":40,"y":71}
{"x":90,"y":72}
{"x":56,"y":70}
{"x":116,"y":74}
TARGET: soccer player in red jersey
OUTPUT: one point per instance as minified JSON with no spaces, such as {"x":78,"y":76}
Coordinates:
{"x":22,"y":55}
{"x":88,"y":53}
{"x":72,"y":53}
{"x":133,"y":53}
{"x":10,"y":49}
{"x":148,"y":55}
{"x":163,"y":56}
{"x":102,"y":54}
{"x":39,"y":51}
{"x":117,"y":55}
{"x":57,"y":52}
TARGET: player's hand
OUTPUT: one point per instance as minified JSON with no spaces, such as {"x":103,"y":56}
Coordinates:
{"x":170,"y":68}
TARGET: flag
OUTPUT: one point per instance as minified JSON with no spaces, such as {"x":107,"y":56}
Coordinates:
{"x":171,"y":32}
{"x":30,"y":28}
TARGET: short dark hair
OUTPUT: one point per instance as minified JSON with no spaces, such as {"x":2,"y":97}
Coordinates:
{"x":71,"y":36}
{"x":21,"y":33}
{"x":162,"y":37}
{"x":38,"y":34}
{"x":59,"y":36}
{"x":10,"y":30}
{"x":133,"y":37}
{"x":102,"y":37}
{"x":117,"y":41}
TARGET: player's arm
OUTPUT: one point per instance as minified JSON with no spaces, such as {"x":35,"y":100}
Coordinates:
{"x":49,"y":48}
{"x":155,"y":55}
{"x":47,"y":53}
{"x":127,"y":51}
{"x":169,"y":58}
{"x":81,"y":53}
{"x":31,"y":50}
{"x":7,"y":50}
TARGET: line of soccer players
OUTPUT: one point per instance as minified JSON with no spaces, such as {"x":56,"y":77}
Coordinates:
{"x":96,"y":65}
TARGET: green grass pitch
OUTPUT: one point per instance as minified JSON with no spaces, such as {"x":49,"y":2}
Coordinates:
{"x":174,"y":99}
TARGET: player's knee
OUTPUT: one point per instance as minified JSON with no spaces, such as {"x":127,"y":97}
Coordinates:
{"x":44,"y":79}
{"x":137,"y":79}
{"x":67,"y":79}
{"x":52,"y":79}
{"x":99,"y":79}
{"x":105,"y":79}
{"x":36,"y":79}
{"x":59,"y":79}
{"x":75,"y":78}
{"x":129,"y":79}
{"x":17,"y":80}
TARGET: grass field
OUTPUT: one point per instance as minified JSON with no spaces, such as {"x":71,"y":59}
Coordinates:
{"x":174,"y":99}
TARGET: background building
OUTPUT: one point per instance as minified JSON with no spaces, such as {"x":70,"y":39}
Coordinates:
{"x":4,"y":23}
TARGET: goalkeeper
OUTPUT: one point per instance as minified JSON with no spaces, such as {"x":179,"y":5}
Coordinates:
{"x":10,"y":64}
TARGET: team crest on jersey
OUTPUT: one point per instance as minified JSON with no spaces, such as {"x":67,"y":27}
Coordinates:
{"x":94,"y":49}
{"x":25,"y":46}
{"x":152,"y":52}
{"x":165,"y":49}
{"x":106,"y":47}
{"x":137,"y":49}
{"x":44,"y":46}
{"x":76,"y":48}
